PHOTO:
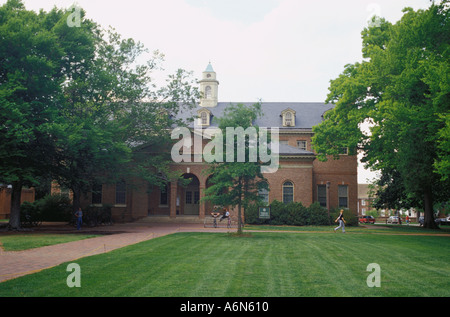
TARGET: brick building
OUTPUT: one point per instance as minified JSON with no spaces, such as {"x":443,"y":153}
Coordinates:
{"x":365,"y":200}
{"x":300,"y":176}
{"x":28,"y":194}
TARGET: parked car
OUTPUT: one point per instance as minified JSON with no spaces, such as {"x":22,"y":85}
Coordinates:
{"x":366,"y":219}
{"x":437,"y":220}
{"x":443,"y":221}
{"x":394,"y":219}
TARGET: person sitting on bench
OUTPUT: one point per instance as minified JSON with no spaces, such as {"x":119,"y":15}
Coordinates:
{"x":226,"y":214}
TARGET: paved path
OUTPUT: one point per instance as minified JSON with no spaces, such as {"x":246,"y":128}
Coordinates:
{"x":18,"y":263}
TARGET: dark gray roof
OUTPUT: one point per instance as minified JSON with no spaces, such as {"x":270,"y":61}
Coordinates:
{"x":290,"y":150}
{"x":308,"y":114}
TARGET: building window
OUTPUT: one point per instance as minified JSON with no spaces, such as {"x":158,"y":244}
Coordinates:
{"x":288,"y":119}
{"x":208,"y":93}
{"x":288,"y":192}
{"x":288,"y":116}
{"x":363,"y":202}
{"x":322,"y":195}
{"x":164,"y":196}
{"x":97,"y":194}
{"x":284,"y":142}
{"x":263,"y":193}
{"x":301,"y":144}
{"x":204,"y":118}
{"x":189,"y":197}
{"x":343,"y":151}
{"x":196,"y":197}
{"x":121,"y":193}
{"x":343,"y":195}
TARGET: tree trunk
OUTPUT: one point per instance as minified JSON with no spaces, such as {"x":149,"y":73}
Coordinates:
{"x":239,"y":207}
{"x":428,"y":220}
{"x":14,"y":218}
{"x":76,"y":199}
{"x":239,"y":219}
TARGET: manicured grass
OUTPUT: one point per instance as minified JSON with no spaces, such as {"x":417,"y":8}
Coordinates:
{"x":370,"y":228}
{"x":18,"y":242}
{"x":260,"y":264}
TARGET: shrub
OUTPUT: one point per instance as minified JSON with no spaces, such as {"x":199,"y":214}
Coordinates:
{"x":293,"y":213}
{"x":49,"y":208}
{"x":97,"y":215}
{"x":55,"y":208}
{"x":350,"y":218}
{"x":319,"y":215}
{"x":30,"y":214}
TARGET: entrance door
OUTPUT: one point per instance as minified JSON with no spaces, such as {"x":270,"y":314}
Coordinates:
{"x":192,"y":196}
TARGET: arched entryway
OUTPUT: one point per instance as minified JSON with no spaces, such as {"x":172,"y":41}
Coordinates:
{"x":190,"y":195}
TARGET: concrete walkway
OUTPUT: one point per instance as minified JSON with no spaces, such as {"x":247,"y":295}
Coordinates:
{"x":18,"y":263}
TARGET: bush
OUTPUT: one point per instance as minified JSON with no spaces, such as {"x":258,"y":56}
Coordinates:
{"x":319,"y":215}
{"x":94,"y":216}
{"x":55,"y":208}
{"x":350,"y":218}
{"x":293,"y":213}
{"x":30,"y":214}
{"x":49,"y":208}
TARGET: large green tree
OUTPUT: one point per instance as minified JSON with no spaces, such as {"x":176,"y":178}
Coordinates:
{"x":104,"y":116}
{"x":402,"y":89}
{"x":235,"y":180}
{"x":32,"y":61}
{"x":77,"y":106}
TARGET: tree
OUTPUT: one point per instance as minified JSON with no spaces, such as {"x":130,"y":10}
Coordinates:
{"x":77,"y":106}
{"x":442,"y":163}
{"x":401,"y":88}
{"x":235,"y":182}
{"x":108,"y":125}
{"x":103,"y":112}
{"x":31,"y":75}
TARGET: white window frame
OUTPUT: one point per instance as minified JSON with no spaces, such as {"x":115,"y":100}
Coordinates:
{"x":288,"y":116}
{"x":204,"y":118}
{"x":287,"y":186}
{"x":302,"y":147}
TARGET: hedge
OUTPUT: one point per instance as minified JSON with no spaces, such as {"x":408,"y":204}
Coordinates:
{"x":59,"y":208}
{"x":295,"y":214}
{"x":49,"y":208}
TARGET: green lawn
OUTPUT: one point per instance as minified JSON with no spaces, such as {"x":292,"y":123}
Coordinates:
{"x":18,"y":242}
{"x":371,"y":228}
{"x":261,"y":265}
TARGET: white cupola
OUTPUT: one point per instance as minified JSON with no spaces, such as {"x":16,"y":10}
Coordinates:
{"x":209,"y":87}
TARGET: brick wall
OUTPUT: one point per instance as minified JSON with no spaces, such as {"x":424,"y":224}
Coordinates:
{"x":306,"y":173}
{"x":28,"y":194}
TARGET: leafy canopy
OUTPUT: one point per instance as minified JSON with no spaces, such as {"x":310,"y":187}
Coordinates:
{"x":401,"y":89}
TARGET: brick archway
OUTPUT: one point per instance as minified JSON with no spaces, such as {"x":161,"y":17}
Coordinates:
{"x":197,"y":191}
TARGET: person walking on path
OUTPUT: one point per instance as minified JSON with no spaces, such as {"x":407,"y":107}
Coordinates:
{"x":79,"y":215}
{"x":340,"y":219}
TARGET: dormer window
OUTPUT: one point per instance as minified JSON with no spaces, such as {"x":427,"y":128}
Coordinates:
{"x":204,"y":116}
{"x":288,"y":117}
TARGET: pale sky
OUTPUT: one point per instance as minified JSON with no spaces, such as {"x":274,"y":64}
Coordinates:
{"x":273,"y":50}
